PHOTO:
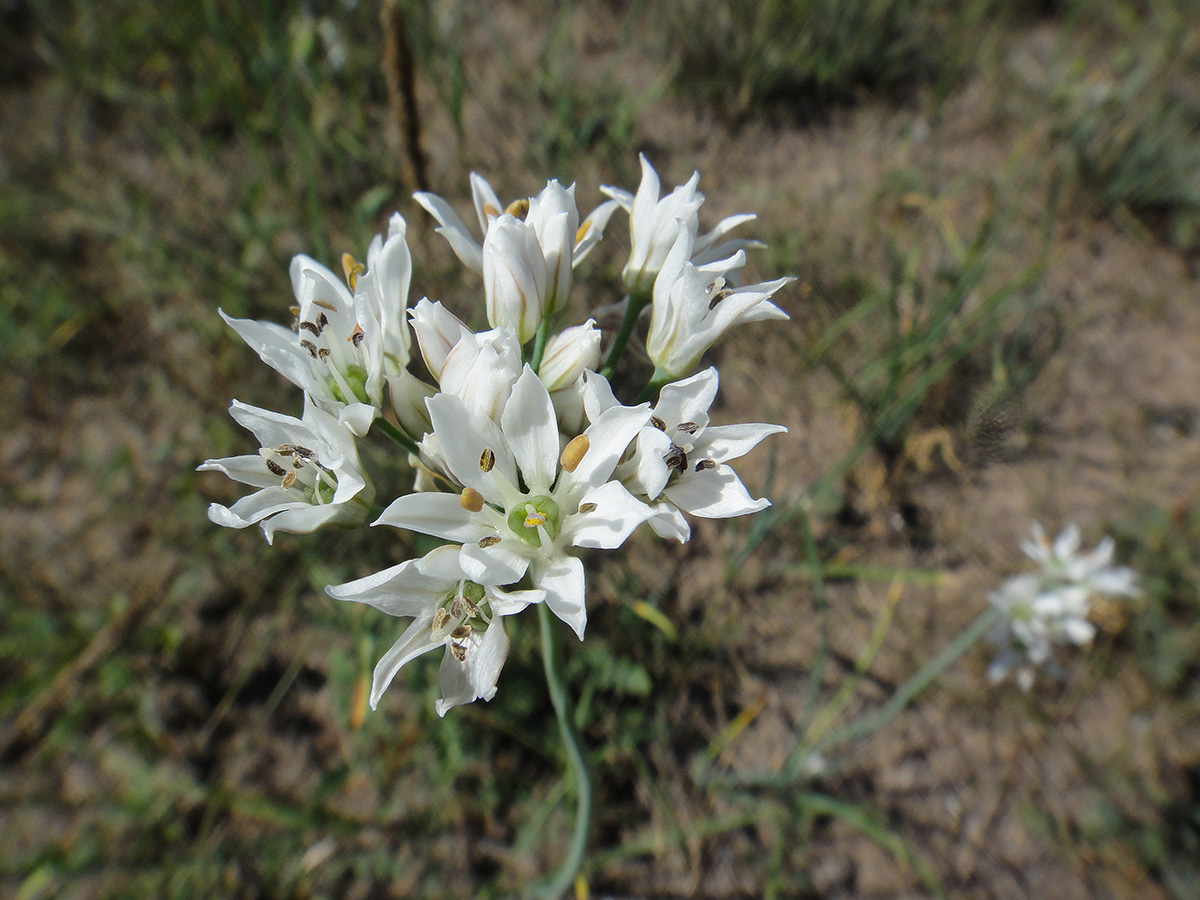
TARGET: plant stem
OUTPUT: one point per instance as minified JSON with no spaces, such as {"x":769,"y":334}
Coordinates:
{"x":562,"y":880}
{"x":539,"y":345}
{"x":396,"y":435}
{"x":637,"y":302}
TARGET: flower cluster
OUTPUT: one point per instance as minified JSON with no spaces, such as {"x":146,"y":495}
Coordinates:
{"x":1051,"y":606}
{"x":522,"y":453}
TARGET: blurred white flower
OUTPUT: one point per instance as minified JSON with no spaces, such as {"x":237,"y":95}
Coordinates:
{"x":307,"y":473}
{"x":1049,"y":608}
{"x":449,"y":610}
{"x":654,"y":226}
{"x":693,"y":306}
{"x":525,"y":498}
{"x":681,"y":461}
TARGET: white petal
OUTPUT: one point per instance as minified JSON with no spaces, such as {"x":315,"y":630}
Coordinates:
{"x":465,"y":438}
{"x":725,"y":442}
{"x":303,"y":519}
{"x":713,"y":494}
{"x":417,"y":639}
{"x":616,"y":515}
{"x":562,"y":580}
{"x":497,"y":564}
{"x":248,"y":469}
{"x":453,"y":230}
{"x":687,"y":400}
{"x":440,"y":515}
{"x":484,"y":196}
{"x":668,"y":523}
{"x":508,"y":603}
{"x":402,"y":590}
{"x":529,"y":425}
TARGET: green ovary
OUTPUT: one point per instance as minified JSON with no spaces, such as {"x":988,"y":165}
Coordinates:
{"x":525,"y":518}
{"x":356,"y":378}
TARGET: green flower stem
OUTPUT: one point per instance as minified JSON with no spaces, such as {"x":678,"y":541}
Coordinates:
{"x":396,"y":435}
{"x":637,"y":302}
{"x":558,"y":885}
{"x":539,"y":344}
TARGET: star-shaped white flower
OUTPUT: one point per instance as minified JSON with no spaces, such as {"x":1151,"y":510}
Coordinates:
{"x":540,"y":211}
{"x":526,"y":499}
{"x":681,"y":463}
{"x":1093,"y":571}
{"x":449,"y":610}
{"x":654,"y":226}
{"x":307,"y":473}
{"x":694,"y":306}
{"x":344,"y":344}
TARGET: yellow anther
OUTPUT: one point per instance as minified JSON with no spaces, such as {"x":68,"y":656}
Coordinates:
{"x":534,"y":518}
{"x":582,"y":232}
{"x":490,"y":212}
{"x":353,"y":268}
{"x":518,"y":208}
{"x":471,"y":500}
{"x":574,"y":452}
{"x":487,"y":459}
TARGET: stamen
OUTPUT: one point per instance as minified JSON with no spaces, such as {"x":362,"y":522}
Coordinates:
{"x":706,"y":464}
{"x":490,"y":212}
{"x":323,"y":353}
{"x":487,"y":459}
{"x":352,"y":269}
{"x":586,"y":508}
{"x":322,"y":321}
{"x":471,"y":500}
{"x":717,"y":298}
{"x":439,"y":620}
{"x":275,"y":468}
{"x":518,"y":208}
{"x":675,"y":458}
{"x":310,"y":347}
{"x":687,"y":427}
{"x":490,"y":541}
{"x":288,"y":480}
{"x":311,"y":326}
{"x":583,"y":231}
{"x":324,"y":304}
{"x":357,"y":335}
{"x":658,"y":423}
{"x":574,"y":452}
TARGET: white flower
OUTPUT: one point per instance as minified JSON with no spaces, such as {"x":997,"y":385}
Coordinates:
{"x":681,"y":461}
{"x":569,"y":354}
{"x":343,"y":344}
{"x":307,"y":472}
{"x":693,"y":307}
{"x":514,"y":277}
{"x":438,"y":330}
{"x":654,"y":226}
{"x":449,"y":610}
{"x":1049,"y":608}
{"x":510,"y":523}
{"x":1092,"y":571}
{"x":540,"y":209}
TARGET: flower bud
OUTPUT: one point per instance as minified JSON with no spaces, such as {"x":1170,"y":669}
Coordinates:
{"x":569,"y":354}
{"x":514,"y":277}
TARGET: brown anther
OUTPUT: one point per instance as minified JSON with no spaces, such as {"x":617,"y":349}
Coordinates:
{"x":490,"y":212}
{"x":658,"y":423}
{"x":487,"y":459}
{"x":323,"y":353}
{"x":574,"y":452}
{"x":310,"y":326}
{"x":717,"y":298}
{"x":322,"y":321}
{"x":687,"y":427}
{"x":706,"y":464}
{"x":456,"y":607}
{"x":675,"y":458}
{"x":461,"y":633}
{"x":490,"y":541}
{"x":295,"y":311}
{"x":275,"y":468}
{"x":324,"y":304}
{"x":288,"y":480}
{"x":289,"y":449}
{"x":440,"y":619}
{"x":518,"y":208}
{"x":352,"y":269}
{"x":310,"y":347}
{"x":471,"y":500}
{"x":357,"y":335}
{"x":458,"y":651}
{"x":297,"y":463}
{"x":586,"y":508}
